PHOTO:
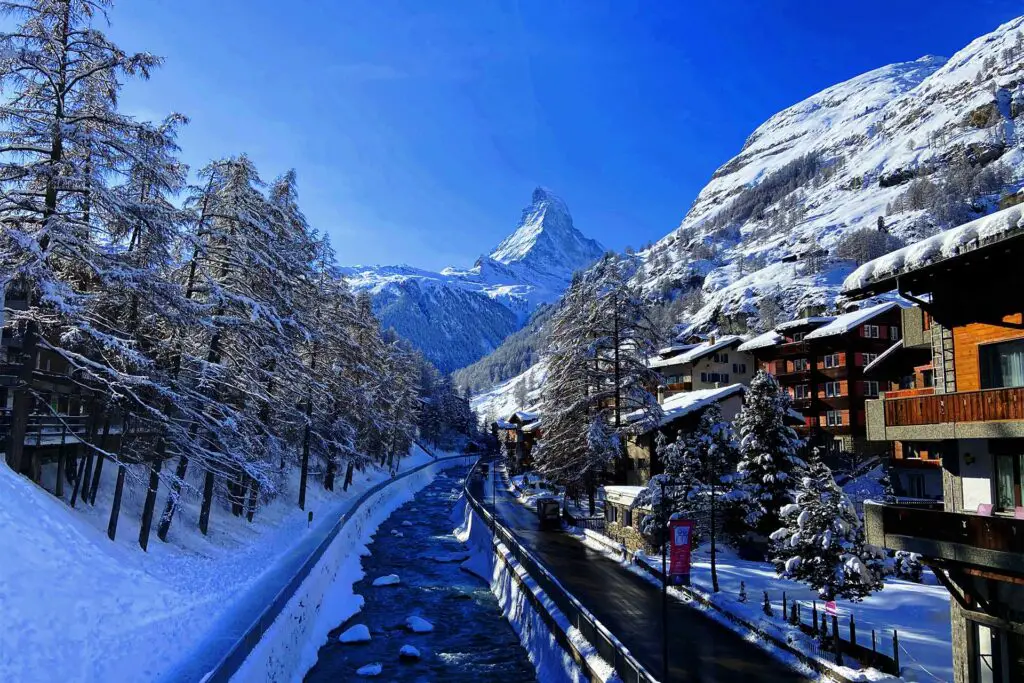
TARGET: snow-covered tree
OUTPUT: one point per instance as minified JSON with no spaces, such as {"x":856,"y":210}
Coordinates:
{"x":821,"y":540}
{"x":769,"y":464}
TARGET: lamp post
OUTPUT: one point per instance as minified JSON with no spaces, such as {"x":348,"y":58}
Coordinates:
{"x":664,"y":586}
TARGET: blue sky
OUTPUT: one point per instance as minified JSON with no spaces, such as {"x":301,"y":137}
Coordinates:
{"x":419,"y":128}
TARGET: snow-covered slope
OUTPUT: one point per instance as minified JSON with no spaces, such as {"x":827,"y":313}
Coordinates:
{"x":921,"y":145}
{"x":457,"y":316}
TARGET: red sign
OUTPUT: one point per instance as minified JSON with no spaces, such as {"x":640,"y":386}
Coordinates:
{"x":830,"y":607}
{"x":680,"y":532}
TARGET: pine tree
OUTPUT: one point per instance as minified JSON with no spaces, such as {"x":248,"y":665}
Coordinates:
{"x":821,"y":540}
{"x":769,"y":463}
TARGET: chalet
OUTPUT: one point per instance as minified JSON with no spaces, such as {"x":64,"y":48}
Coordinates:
{"x":969,"y":282}
{"x":820,"y":361}
{"x":708,"y":364}
{"x":518,"y":433}
{"x":680,"y":412}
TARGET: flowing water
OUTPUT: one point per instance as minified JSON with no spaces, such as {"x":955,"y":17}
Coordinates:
{"x":471,"y":640}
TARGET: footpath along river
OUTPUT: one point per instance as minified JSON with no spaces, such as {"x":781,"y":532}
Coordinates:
{"x":471,"y":641}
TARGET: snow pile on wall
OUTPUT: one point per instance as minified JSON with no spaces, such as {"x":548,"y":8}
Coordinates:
{"x":551,"y":662}
{"x":325,"y":599}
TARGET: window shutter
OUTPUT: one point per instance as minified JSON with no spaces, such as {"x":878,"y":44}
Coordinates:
{"x":858,"y":359}
{"x":842,"y":358}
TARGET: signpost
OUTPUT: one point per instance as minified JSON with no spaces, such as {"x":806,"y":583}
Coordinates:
{"x":680,"y":540}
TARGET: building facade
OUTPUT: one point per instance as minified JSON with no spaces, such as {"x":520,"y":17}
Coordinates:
{"x":820,"y":361}
{"x":709,"y":364}
{"x":969,"y":282}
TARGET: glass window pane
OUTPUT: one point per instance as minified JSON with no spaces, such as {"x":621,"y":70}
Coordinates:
{"x":1004,"y":482}
{"x":984,"y":662}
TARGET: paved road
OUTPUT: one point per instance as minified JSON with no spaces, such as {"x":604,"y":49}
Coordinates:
{"x":700,"y":649}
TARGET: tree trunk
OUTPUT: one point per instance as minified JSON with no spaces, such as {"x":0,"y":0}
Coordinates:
{"x":79,"y":475}
{"x":330,"y":474}
{"x":172,"y":499}
{"x":236,"y":493}
{"x":348,"y":476}
{"x":591,"y":504}
{"x":253,"y":492}
{"x":714,"y":552}
{"x":99,"y":463}
{"x":147,"y":509}
{"x":61,"y":463}
{"x":304,"y":472}
{"x":204,"y":510}
{"x":115,"y":507}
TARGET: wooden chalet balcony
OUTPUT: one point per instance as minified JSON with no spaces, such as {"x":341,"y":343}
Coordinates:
{"x":995,"y":542}
{"x":964,"y":406}
{"x":676,"y":387}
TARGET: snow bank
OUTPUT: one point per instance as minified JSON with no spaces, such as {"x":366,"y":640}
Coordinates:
{"x":507,"y":579}
{"x":325,"y":599}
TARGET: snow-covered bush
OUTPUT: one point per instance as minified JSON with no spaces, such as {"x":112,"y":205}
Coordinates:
{"x":821,"y":541}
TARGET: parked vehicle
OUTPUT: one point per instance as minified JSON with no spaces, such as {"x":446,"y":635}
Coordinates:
{"x":549,"y":513}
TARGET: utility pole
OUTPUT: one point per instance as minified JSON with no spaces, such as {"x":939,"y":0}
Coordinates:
{"x":664,"y":586}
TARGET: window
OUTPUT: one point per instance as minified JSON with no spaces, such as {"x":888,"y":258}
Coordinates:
{"x":832,"y":361}
{"x":799,"y":336}
{"x":720,"y":358}
{"x":800,"y":364}
{"x":997,"y":655}
{"x":870,"y":388}
{"x":1008,"y":482}
{"x":833,"y":389}
{"x":1002,"y":364}
{"x":834,"y":418}
{"x":894,"y":333}
{"x":703,"y":377}
{"x":869,"y":358}
{"x":871,"y":331}
{"x":801,"y":391}
{"x":739,"y":368}
{"x":725,"y":377}
{"x":627,"y":517}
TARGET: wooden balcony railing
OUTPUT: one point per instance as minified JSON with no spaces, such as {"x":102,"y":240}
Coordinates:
{"x":996,"y":534}
{"x":988,"y":405}
{"x":909,"y":393}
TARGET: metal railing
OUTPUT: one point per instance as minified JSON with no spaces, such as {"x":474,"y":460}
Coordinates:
{"x":608,"y":647}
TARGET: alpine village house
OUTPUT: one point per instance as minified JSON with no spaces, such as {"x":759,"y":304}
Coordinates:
{"x":970,"y":284}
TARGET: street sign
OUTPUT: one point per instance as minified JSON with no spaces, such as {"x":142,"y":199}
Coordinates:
{"x":830,"y":607}
{"x":680,"y":543}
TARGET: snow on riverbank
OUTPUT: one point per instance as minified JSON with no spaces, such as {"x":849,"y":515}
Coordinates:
{"x":79,"y":607}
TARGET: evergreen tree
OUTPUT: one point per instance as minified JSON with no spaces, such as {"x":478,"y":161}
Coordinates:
{"x":821,"y":540}
{"x":769,"y":462}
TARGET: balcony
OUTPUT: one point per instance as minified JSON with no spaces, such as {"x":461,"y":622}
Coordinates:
{"x":963,"y":538}
{"x":909,"y":393}
{"x":985,"y":414}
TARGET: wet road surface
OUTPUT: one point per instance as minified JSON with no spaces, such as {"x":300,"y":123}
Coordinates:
{"x":700,"y":649}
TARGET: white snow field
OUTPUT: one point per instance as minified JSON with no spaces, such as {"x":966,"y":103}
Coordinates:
{"x":78,"y":607}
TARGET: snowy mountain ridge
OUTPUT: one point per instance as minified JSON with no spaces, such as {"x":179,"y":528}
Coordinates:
{"x":456,"y":316}
{"x":920,"y":146}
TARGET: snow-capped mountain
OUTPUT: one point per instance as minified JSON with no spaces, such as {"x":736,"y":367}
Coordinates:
{"x":457,"y":316}
{"x":910,"y":148}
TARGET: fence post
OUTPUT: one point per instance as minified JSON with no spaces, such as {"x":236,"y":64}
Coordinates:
{"x":767,"y":606}
{"x":836,"y":639}
{"x":784,"y":610}
{"x":814,"y":616}
{"x":873,"y":649}
{"x":853,"y":630}
{"x":896,"y":650}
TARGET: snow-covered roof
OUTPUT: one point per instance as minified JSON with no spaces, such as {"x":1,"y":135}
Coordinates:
{"x":680,"y":405}
{"x":849,"y":321}
{"x":801,"y":322}
{"x":623,"y":495}
{"x":502,"y":424}
{"x":675,"y":348}
{"x":524,"y":416}
{"x":870,"y":367}
{"x":533,"y":426}
{"x":769,"y":338}
{"x":695,"y":353}
{"x":999,"y":226}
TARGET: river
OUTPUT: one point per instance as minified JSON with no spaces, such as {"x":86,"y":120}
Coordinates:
{"x":471,"y":641}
